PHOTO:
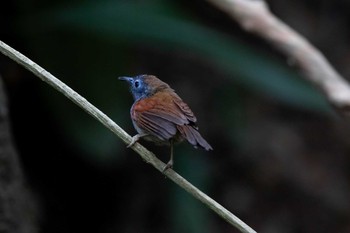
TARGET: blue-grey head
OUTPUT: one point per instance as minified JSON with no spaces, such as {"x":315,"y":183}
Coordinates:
{"x":142,"y":86}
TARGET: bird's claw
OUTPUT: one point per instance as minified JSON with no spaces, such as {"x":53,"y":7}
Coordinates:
{"x":133,"y":140}
{"x":167,"y":166}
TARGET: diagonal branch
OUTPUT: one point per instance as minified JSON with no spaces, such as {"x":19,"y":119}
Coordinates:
{"x":148,"y":156}
{"x":255,"y":17}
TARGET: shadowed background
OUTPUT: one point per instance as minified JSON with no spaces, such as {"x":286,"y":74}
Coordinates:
{"x":281,"y":155}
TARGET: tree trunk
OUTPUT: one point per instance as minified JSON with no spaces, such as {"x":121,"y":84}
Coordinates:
{"x":17,"y":207}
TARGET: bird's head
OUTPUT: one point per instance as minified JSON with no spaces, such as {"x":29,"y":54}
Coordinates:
{"x":144,"y":85}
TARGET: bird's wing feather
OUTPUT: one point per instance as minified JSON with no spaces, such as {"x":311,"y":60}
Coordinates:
{"x":169,"y":115}
{"x":172,"y":108}
{"x":194,"y":137}
{"x":156,"y":126}
{"x":185,"y":109}
{"x":157,"y":117}
{"x":164,"y":114}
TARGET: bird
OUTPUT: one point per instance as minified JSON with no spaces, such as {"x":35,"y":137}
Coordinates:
{"x":161,"y":116}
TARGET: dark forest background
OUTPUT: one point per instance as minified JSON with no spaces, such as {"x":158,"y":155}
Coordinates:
{"x":281,"y":159}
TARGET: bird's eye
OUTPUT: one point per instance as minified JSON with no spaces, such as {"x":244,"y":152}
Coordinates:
{"x":137,"y":84}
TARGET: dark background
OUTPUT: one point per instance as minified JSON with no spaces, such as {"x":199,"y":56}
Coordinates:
{"x":281,"y":154}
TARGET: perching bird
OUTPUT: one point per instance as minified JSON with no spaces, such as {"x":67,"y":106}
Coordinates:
{"x":160,"y":115}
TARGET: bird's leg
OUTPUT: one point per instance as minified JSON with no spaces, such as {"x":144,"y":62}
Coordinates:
{"x":171,"y":161}
{"x":136,"y":138}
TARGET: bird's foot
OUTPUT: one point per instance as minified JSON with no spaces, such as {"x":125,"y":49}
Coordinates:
{"x":168,"y":165}
{"x":133,"y":140}
{"x":136,"y":138}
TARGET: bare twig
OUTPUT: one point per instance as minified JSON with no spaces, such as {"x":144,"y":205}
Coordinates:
{"x":148,"y":156}
{"x":255,"y":17}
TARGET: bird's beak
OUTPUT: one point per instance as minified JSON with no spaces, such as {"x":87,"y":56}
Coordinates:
{"x":125,"y":79}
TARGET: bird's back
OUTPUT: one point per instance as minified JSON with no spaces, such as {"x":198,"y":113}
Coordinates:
{"x":165,"y":116}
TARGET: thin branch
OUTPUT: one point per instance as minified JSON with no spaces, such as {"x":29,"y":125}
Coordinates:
{"x":148,"y":156}
{"x":255,"y":17}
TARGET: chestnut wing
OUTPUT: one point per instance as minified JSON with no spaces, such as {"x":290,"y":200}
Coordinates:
{"x":161,"y":114}
{"x":158,"y":115}
{"x":185,"y":110}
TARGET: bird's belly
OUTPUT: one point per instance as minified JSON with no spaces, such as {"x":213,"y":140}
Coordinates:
{"x":156,"y":140}
{"x":151,"y":138}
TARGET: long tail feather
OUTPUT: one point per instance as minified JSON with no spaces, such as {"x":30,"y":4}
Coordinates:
{"x":194,"y":137}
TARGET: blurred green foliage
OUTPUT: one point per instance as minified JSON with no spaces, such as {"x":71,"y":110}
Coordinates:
{"x":182,"y":204}
{"x":276,"y":164}
{"x":87,"y":44}
{"x":91,"y":41}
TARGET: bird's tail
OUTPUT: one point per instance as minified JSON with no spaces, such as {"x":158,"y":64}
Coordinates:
{"x":193,"y":136}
